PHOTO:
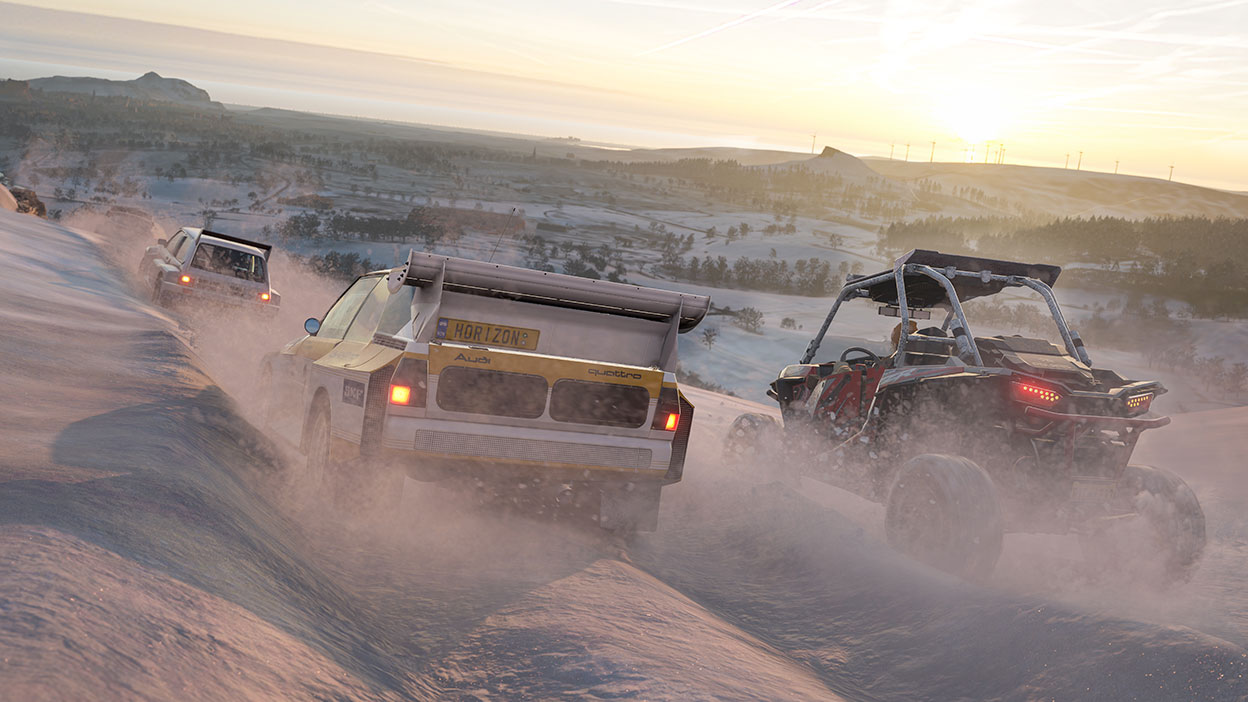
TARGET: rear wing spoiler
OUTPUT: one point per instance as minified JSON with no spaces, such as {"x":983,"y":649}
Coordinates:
{"x":460,"y":275}
{"x":266,"y":248}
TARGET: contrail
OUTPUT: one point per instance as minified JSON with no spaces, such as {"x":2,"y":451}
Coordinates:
{"x":726,"y":25}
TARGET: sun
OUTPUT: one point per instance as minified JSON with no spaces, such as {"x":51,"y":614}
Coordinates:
{"x":975,"y":119}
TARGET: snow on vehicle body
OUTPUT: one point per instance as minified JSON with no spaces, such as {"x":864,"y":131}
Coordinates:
{"x":966,"y":437}
{"x":551,"y":387}
{"x":210,"y":269}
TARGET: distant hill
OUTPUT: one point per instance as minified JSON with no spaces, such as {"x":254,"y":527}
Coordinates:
{"x":1067,"y":192}
{"x":150,"y":86}
{"x":835,"y":162}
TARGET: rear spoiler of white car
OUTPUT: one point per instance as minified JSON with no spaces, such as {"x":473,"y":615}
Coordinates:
{"x":556,"y":289}
{"x":266,"y":249}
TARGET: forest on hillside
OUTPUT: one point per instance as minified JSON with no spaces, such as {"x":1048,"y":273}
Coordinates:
{"x":1200,"y":260}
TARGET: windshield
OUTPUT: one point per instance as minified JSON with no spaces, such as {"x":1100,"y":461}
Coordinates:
{"x":231,"y":262}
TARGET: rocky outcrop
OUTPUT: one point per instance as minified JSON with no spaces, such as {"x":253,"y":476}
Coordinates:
{"x":150,"y":86}
{"x":28,"y":202}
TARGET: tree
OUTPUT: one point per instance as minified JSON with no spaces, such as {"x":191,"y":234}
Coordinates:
{"x":209,"y":216}
{"x":750,"y":319}
{"x":709,"y":335}
{"x":788,"y":323}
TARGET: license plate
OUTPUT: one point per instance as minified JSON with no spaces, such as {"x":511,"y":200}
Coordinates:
{"x":1093,"y":491}
{"x":487,"y":334}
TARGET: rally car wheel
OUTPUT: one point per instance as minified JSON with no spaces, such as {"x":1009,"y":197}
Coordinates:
{"x":264,"y":405}
{"x":1165,"y":542}
{"x":357,"y":488}
{"x":943,"y":511}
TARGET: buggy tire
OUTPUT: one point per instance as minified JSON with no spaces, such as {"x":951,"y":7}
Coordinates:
{"x":943,"y":511}
{"x":1174,"y":516}
{"x":750,"y":436}
{"x":358,"y":488}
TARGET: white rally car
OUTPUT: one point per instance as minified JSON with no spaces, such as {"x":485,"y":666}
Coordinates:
{"x":541,"y":387}
{"x":210,"y":269}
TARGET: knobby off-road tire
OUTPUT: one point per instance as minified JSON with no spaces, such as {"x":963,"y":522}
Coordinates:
{"x":357,"y":489}
{"x":751,"y":436}
{"x":943,"y":511}
{"x":1173,"y":526}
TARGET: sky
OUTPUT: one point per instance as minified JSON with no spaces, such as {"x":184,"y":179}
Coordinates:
{"x":1136,"y":85}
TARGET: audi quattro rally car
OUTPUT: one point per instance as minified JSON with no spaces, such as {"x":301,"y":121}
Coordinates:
{"x":552,"y":389}
{"x":964,"y":437}
{"x":210,"y":269}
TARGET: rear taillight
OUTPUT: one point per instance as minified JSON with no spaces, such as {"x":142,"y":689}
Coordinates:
{"x":1138,"y":404}
{"x":185,"y":279}
{"x":1034,"y":394}
{"x":410,"y":382}
{"x":264,"y":296}
{"x":667,"y":414}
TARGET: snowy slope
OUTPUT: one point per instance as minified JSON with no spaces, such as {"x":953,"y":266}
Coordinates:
{"x":151,"y":553}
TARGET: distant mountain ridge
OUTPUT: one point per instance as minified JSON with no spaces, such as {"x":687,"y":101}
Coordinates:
{"x":150,"y":86}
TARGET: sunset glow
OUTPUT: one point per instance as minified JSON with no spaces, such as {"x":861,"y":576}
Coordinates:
{"x":1160,"y":83}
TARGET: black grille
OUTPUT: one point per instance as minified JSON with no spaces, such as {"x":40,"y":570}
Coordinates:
{"x":680,"y":443}
{"x":375,"y":411}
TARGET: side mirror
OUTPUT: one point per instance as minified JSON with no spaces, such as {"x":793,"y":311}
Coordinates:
{"x":312,"y":326}
{"x":162,"y":242}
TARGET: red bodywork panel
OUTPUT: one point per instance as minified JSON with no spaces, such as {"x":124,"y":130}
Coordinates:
{"x":844,"y":398}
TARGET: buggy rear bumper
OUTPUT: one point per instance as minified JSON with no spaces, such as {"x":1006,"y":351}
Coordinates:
{"x":1091,"y":421}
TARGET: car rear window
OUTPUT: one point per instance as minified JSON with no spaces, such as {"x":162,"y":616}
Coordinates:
{"x":497,"y":393}
{"x":231,"y":262}
{"x":604,"y":404}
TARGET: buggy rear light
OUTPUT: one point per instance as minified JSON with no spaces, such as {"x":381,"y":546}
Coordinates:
{"x":265,"y":296}
{"x":1036,"y":394}
{"x":185,"y":280}
{"x":667,"y":414}
{"x":1138,"y":404}
{"x":409,"y":384}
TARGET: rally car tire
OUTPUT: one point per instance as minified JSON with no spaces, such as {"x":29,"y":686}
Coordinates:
{"x":943,"y":511}
{"x":357,"y":489}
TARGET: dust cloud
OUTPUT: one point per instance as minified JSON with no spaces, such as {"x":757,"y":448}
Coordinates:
{"x":758,"y":585}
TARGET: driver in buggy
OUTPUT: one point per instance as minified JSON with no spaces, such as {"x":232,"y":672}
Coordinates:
{"x":921,"y":352}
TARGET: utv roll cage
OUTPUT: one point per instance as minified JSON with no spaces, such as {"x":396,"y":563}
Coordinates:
{"x":923,"y":279}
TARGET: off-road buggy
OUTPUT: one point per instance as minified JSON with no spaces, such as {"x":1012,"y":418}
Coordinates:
{"x":964,"y":438}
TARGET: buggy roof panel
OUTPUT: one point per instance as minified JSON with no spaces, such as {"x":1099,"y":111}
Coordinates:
{"x":922,"y":291}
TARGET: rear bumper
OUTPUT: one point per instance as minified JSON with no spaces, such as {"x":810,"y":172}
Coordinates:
{"x":1091,"y":420}
{"x":432,"y":449}
{"x":181,"y":294}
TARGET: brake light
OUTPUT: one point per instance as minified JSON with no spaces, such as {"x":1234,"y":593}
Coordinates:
{"x":185,"y":280}
{"x":265,"y":296}
{"x":667,"y":414}
{"x":408,"y":385}
{"x":1036,"y":394}
{"x":672,"y":419}
{"x":1140,"y":403}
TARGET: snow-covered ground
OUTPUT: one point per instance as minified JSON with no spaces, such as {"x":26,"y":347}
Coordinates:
{"x":150,"y":553}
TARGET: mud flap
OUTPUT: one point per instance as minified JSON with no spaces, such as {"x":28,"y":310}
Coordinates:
{"x":629,"y":507}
